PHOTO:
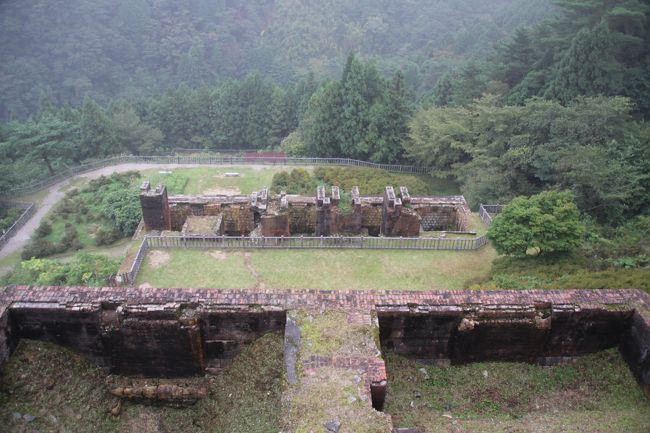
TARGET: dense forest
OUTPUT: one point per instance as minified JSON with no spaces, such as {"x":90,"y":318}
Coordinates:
{"x":511,"y":99}
{"x":69,"y":49}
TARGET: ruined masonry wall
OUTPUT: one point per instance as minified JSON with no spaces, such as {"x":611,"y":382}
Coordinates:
{"x":186,"y":331}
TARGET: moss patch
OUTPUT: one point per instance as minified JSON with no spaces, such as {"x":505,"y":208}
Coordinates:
{"x":330,"y":334}
{"x":330,"y":394}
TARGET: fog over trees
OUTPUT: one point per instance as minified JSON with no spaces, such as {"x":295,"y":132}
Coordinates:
{"x":506,"y":97}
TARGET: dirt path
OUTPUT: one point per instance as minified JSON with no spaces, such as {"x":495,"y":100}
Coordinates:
{"x":259,"y":282}
{"x":56,"y":193}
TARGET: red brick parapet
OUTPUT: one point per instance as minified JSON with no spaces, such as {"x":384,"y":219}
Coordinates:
{"x":323,"y":299}
{"x":521,"y":310}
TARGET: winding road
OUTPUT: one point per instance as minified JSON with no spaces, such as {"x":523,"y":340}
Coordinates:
{"x":56,"y":192}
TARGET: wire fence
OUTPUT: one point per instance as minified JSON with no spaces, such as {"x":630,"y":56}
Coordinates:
{"x":29,"y":210}
{"x":131,"y":275}
{"x":488,"y":211}
{"x":314,"y":242}
{"x":203,"y":159}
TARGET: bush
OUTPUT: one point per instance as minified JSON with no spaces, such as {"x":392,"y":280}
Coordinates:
{"x":8,"y":217}
{"x":38,"y":248}
{"x":106,"y":236}
{"x":298,"y":181}
{"x":369,"y":180}
{"x":546,"y":223}
{"x":83,"y":269}
{"x":294,"y":145}
{"x":44,"y":229}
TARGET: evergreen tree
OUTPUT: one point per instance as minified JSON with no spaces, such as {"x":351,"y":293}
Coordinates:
{"x":355,"y":108}
{"x":282,"y":117}
{"x":389,"y":123}
{"x":588,"y":68}
{"x":517,"y":57}
{"x":97,"y":134}
{"x":320,"y":125}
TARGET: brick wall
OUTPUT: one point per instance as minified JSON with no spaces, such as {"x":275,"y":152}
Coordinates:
{"x":119,"y":326}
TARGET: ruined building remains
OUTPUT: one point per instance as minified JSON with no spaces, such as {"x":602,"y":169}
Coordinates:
{"x":261,"y":214}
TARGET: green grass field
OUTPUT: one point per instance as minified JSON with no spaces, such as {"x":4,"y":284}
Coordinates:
{"x":211,"y":180}
{"x":597,"y":394}
{"x":316,"y":269}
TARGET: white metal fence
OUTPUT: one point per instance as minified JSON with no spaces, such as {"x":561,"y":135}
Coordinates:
{"x":28,"y":210}
{"x":313,"y":242}
{"x":488,"y":211}
{"x":300,"y":242}
{"x":204,"y":159}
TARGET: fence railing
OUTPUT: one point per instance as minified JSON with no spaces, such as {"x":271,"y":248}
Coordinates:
{"x":29,"y":210}
{"x":312,"y":242}
{"x":301,"y":242}
{"x":131,"y":275}
{"x":209,"y":159}
{"x":487,"y":212}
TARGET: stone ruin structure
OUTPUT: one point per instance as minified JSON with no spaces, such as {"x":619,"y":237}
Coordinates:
{"x":188,"y":332}
{"x":394,"y":214}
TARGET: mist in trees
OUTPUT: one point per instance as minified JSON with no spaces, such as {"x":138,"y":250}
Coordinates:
{"x":509,"y":97}
{"x":109,"y":49}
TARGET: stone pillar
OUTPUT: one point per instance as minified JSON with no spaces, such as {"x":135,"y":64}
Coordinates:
{"x":390,"y":211}
{"x":323,"y":213}
{"x":155,"y":207}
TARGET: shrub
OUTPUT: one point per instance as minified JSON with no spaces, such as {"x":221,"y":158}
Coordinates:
{"x":83,"y":269}
{"x":38,"y":248}
{"x":8,"y":218}
{"x":106,"y":236}
{"x":298,"y":181}
{"x":44,"y":229}
{"x":547,"y":223}
{"x":370,"y":181}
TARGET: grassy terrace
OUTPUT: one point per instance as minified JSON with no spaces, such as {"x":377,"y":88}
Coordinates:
{"x":212,"y":180}
{"x":597,"y":394}
{"x":316,"y":269}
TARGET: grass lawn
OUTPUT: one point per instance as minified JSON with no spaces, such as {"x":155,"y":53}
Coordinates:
{"x":316,"y":269}
{"x":9,"y":262}
{"x":195,"y":269}
{"x":206,"y":180}
{"x":597,"y":394}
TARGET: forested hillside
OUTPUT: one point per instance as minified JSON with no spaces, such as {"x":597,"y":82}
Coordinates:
{"x":68,"y":49}
{"x":560,"y":104}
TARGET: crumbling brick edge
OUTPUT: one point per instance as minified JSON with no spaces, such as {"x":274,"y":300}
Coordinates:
{"x":634,"y":345}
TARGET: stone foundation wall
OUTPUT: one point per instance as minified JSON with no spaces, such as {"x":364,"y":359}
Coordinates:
{"x":275,"y":225}
{"x":179,"y":214}
{"x":176,"y":332}
{"x":439,"y":218}
{"x":501,"y":333}
{"x":171,"y":340}
{"x":302,"y":219}
{"x":238,"y":220}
